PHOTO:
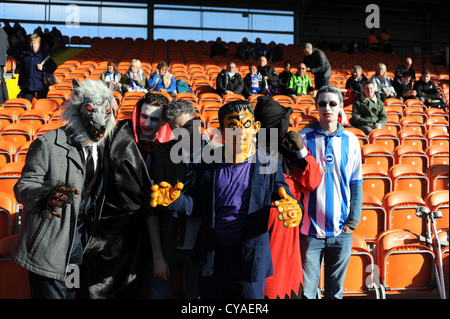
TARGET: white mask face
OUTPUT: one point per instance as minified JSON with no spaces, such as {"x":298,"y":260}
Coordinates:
{"x":328,"y":105}
{"x":150,"y":121}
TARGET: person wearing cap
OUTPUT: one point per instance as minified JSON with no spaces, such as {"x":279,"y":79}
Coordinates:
{"x":317,"y":63}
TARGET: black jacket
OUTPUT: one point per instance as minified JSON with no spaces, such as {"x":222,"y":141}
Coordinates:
{"x":224,"y":82}
{"x":426,"y":90}
{"x":30,"y":78}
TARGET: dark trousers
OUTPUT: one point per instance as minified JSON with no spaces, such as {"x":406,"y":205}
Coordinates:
{"x":3,"y":88}
{"x":30,"y":94}
{"x":226,"y":281}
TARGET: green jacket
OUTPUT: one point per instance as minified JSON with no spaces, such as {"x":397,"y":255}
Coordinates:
{"x":368,"y":111}
{"x":300,"y":84}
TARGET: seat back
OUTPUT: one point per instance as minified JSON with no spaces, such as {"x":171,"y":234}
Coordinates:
{"x":384,"y":137}
{"x":17,"y":133}
{"x":19,"y":104}
{"x":404,"y":263}
{"x":437,"y":154}
{"x":7,"y":214}
{"x":9,"y":175}
{"x":378,"y":155}
{"x":406,"y":177}
{"x":413,"y":155}
{"x":401,"y":209}
{"x":7,"y":151}
{"x":439,"y":201}
{"x":438,"y":175}
{"x":48,"y":105}
{"x":373,"y":218}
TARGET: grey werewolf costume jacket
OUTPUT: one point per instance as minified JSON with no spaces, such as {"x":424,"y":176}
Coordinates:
{"x":113,"y":255}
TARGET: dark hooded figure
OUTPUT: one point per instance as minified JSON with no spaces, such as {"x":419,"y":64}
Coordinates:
{"x":302,"y":174}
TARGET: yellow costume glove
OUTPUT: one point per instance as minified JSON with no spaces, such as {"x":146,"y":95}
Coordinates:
{"x":290,"y":211}
{"x":164,"y":194}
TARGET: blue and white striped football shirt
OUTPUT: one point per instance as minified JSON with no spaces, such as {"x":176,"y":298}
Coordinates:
{"x":339,"y":159}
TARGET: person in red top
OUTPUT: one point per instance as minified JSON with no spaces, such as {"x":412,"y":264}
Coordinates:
{"x":302,"y":174}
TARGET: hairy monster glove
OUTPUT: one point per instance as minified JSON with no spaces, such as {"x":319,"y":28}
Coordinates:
{"x":60,"y":196}
{"x":164,"y":194}
{"x":290,"y":211}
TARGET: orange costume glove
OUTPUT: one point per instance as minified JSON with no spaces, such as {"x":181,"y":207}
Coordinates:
{"x":290,"y":212}
{"x":164,"y":194}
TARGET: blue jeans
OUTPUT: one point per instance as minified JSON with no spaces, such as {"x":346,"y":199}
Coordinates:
{"x":336,"y":254}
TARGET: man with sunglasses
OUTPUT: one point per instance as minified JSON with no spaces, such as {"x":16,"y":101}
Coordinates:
{"x":300,"y":83}
{"x":333,"y":209}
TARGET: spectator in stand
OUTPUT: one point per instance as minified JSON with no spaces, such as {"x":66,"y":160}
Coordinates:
{"x":254,"y":82}
{"x":300,"y":83}
{"x":31,"y":75}
{"x":275,"y":53}
{"x":386,"y":41}
{"x":259,"y":49}
{"x":373,"y":40}
{"x":162,"y":80}
{"x":135,"y":79}
{"x":217,"y":48}
{"x":270,"y":75}
{"x":405,"y":66}
{"x":4,"y":45}
{"x":284,"y":78}
{"x":382,"y":83}
{"x":354,"y":84}
{"x":229,"y":81}
{"x":427,"y":91}
{"x":404,"y":87}
{"x":242,"y":51}
{"x":333,"y":209}
{"x":317,"y":63}
{"x":368,"y":112}
{"x":112,"y":77}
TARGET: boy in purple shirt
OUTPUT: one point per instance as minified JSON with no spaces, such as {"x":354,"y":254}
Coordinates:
{"x":234,"y":197}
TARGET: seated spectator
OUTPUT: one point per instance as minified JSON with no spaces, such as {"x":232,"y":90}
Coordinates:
{"x":386,"y":41}
{"x":217,"y":48}
{"x":135,"y":79}
{"x":275,"y":53}
{"x":254,"y":82}
{"x":368,"y":112}
{"x":259,"y":49}
{"x":404,"y":88}
{"x":382,"y":83}
{"x":354,"y":84}
{"x":373,"y":40}
{"x":271,"y":76}
{"x":112,"y":77}
{"x":162,"y":80}
{"x":405,"y":66}
{"x":284,"y":78}
{"x":229,"y":81}
{"x":427,"y":91}
{"x":243,"y":49}
{"x":300,"y":83}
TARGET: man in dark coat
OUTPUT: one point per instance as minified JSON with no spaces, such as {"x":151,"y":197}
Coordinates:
{"x":317,"y":63}
{"x":229,"y":81}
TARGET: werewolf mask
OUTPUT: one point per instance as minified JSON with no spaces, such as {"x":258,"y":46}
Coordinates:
{"x":89,"y":112}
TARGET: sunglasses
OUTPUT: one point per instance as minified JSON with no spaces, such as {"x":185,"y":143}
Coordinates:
{"x":324,"y":104}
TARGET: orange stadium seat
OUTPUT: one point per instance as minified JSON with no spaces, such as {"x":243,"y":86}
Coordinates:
{"x":438,"y":177}
{"x":439,"y":201}
{"x":413,"y":155}
{"x":407,"y":177}
{"x":20,"y":104}
{"x":17,"y":133}
{"x":21,"y":152}
{"x":8,"y":116}
{"x":413,"y":122}
{"x":412,"y":137}
{"x":7,"y":151}
{"x":46,"y":128}
{"x":9,"y":174}
{"x":34,"y":118}
{"x":401,"y":208}
{"x":376,"y":180}
{"x":405,"y":264}
{"x":384,"y":137}
{"x":436,"y":136}
{"x":232,"y":97}
{"x":8,"y":211}
{"x":377,"y":154}
{"x":373,"y":217}
{"x":362,"y":137}
{"x":437,"y":154}
{"x":45,"y":105}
